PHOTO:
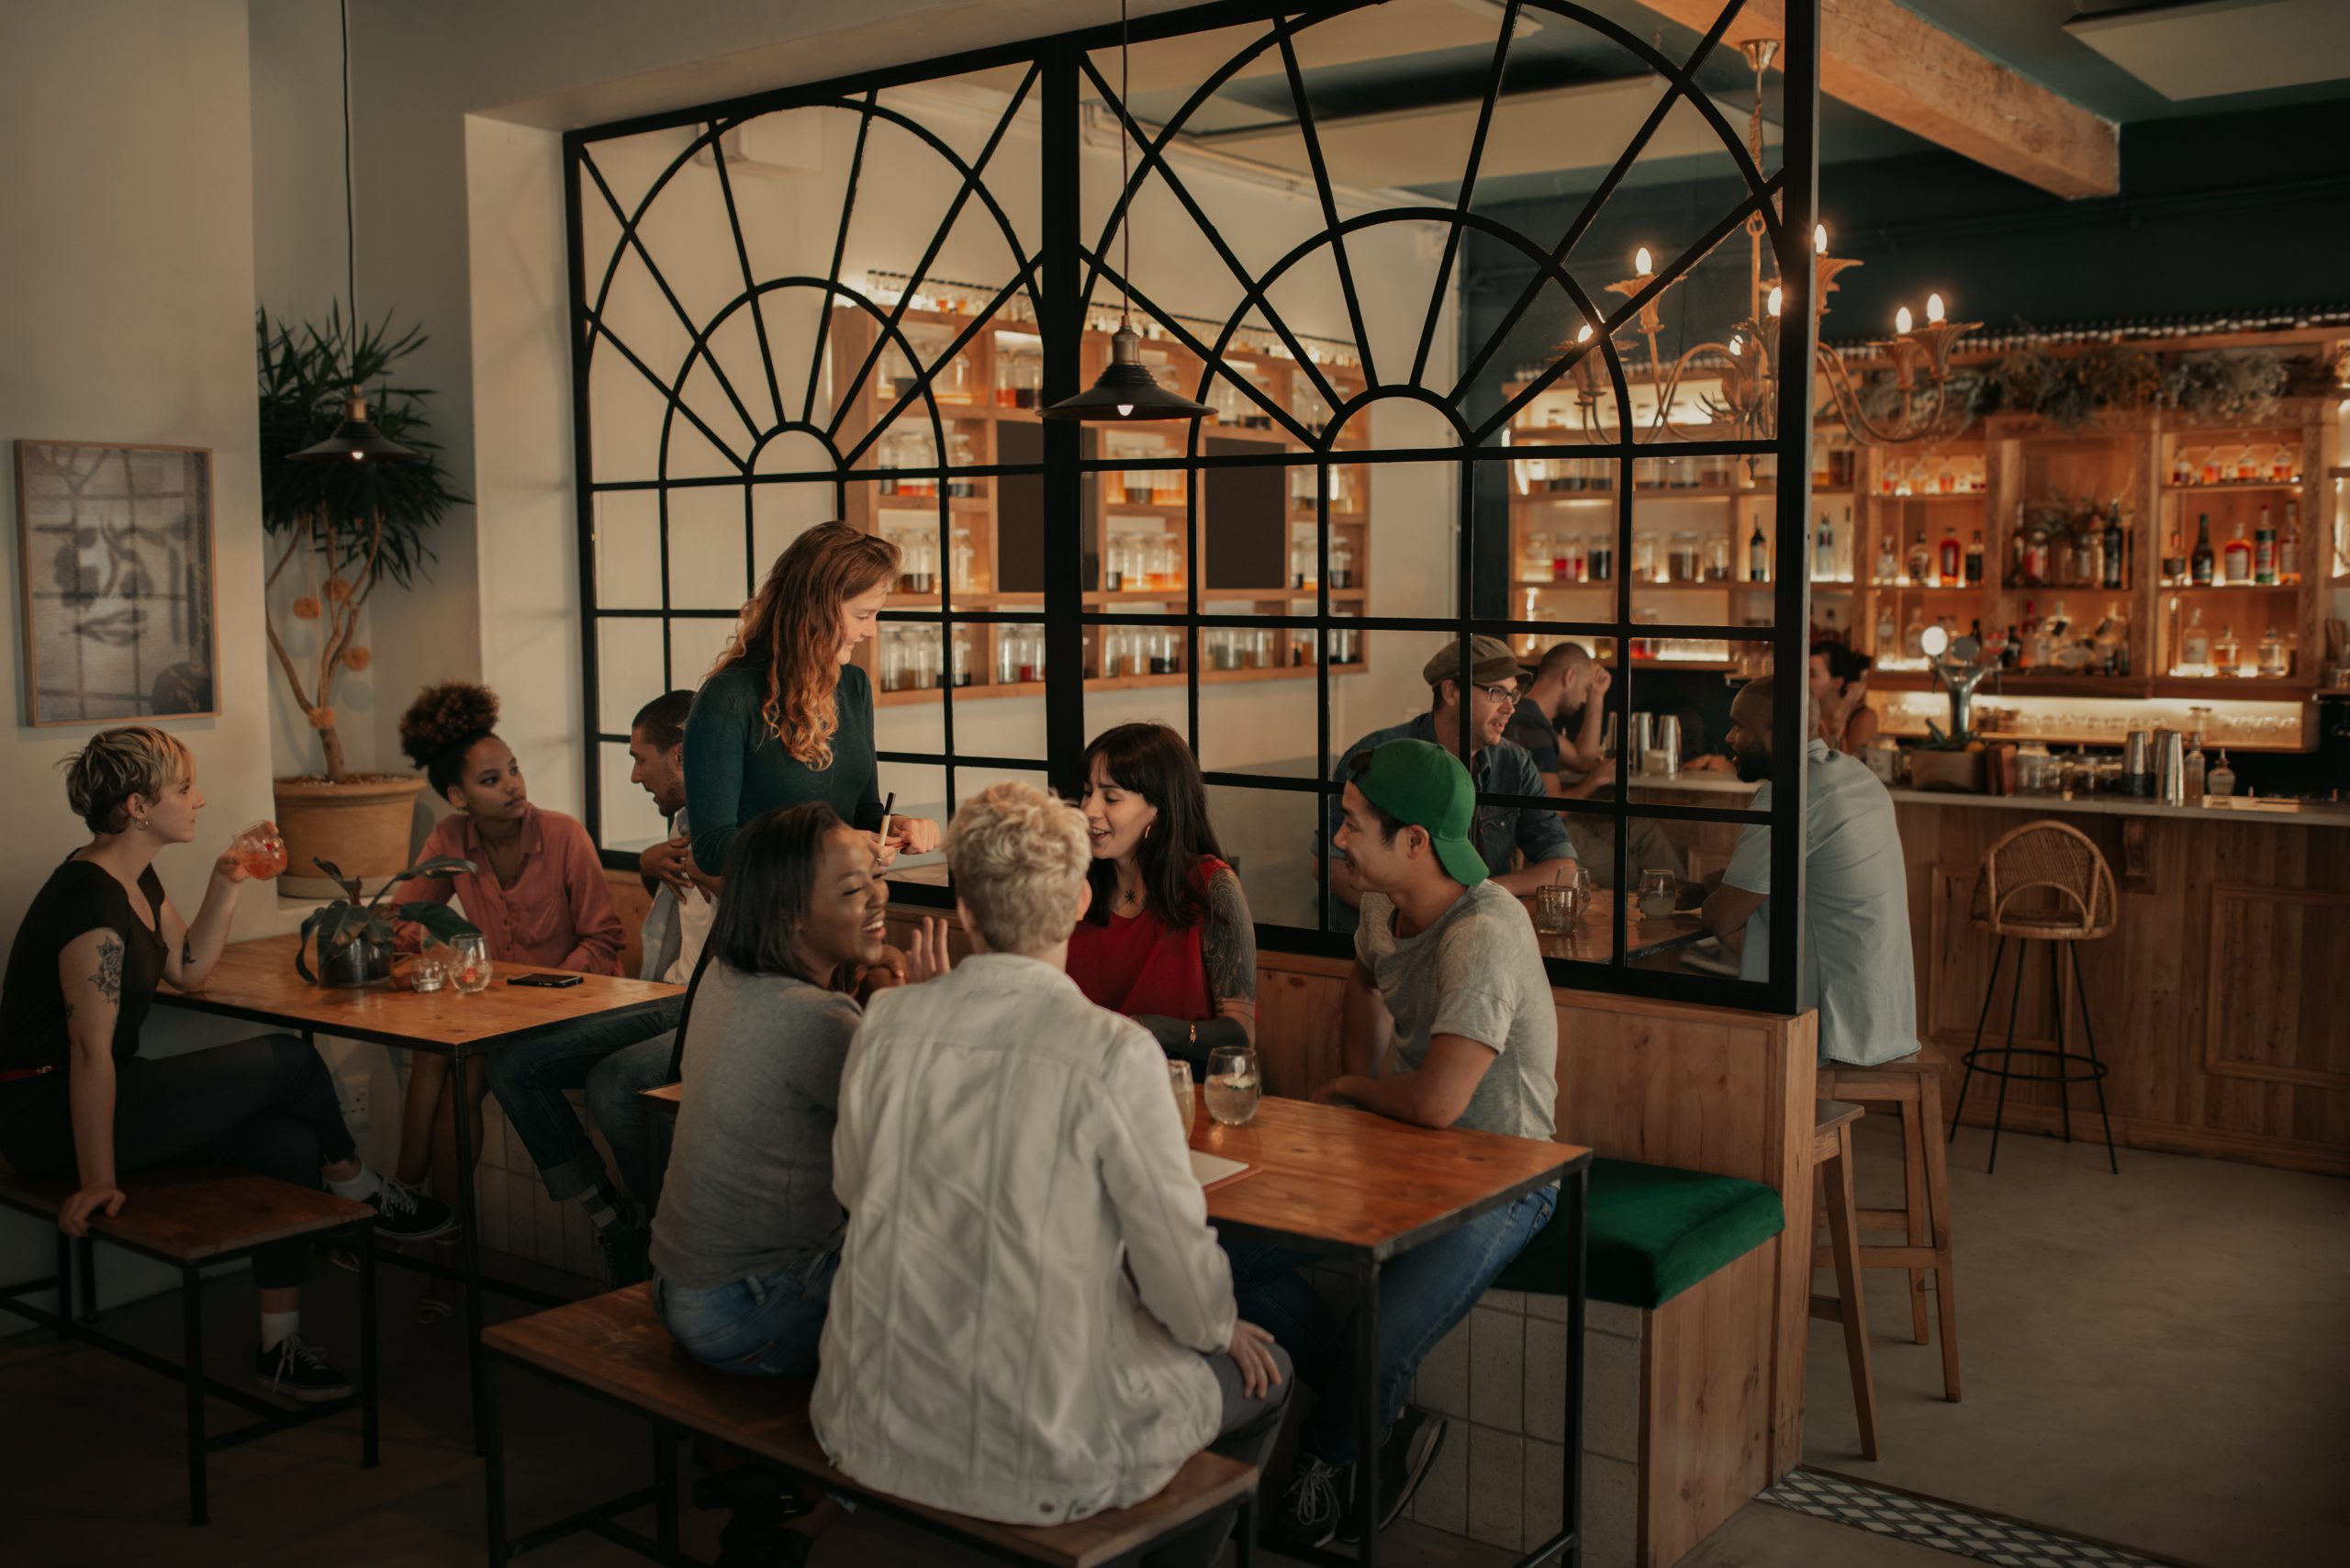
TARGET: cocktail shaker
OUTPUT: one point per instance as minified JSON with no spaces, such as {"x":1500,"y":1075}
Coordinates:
{"x":2170,"y":768}
{"x":2138,"y":765}
{"x":1643,"y":740}
{"x":1667,"y":744}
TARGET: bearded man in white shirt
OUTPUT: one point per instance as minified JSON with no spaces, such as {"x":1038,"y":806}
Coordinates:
{"x":1031,"y":1321}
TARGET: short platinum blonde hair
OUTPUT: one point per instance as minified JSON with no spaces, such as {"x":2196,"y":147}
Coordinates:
{"x":1018,"y":857}
{"x":101,"y":777}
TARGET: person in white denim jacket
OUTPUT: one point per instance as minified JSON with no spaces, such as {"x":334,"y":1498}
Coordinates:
{"x":1031,"y":1321}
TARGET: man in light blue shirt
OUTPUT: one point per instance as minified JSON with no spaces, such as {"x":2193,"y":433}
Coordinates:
{"x":1499,"y":766}
{"x":1857,"y":965}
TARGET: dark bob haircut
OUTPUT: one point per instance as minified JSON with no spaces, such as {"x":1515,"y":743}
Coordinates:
{"x":770,"y":879}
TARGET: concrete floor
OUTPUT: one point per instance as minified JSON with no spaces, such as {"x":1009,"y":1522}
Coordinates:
{"x":2156,"y":1360}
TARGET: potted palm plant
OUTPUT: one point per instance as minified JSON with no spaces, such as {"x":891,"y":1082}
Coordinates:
{"x":352,"y":937}
{"x":344,"y":530}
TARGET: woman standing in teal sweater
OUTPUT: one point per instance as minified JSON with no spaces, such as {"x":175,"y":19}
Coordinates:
{"x":785,"y":717}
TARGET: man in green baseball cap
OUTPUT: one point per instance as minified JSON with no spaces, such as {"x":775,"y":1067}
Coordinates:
{"x":1470,"y":724}
{"x":1448,"y":952}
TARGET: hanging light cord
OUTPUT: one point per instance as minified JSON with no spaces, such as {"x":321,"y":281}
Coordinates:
{"x":1127,"y":172}
{"x":350,"y":226}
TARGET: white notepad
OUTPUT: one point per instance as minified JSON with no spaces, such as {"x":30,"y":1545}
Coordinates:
{"x":1209,"y":1168}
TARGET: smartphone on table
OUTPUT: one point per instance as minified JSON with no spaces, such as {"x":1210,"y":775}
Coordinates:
{"x":551,"y":982}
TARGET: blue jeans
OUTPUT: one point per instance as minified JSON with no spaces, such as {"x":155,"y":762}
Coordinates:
{"x":613,"y":1085}
{"x":530,"y":1079}
{"x":1422,"y":1295}
{"x":765,"y":1325}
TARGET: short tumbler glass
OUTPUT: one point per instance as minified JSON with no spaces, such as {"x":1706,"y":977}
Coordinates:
{"x":469,"y":964}
{"x":1178,"y":1083}
{"x":1233,"y":1084}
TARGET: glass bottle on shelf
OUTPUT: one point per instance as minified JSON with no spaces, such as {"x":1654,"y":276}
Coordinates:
{"x":2195,"y":643}
{"x":1644,"y":557}
{"x":2221,"y":779}
{"x":961,"y":454}
{"x":2263,"y":549}
{"x":2182,"y":466}
{"x":1535,"y":565}
{"x":1171,"y":574}
{"x":1974,"y":564}
{"x":1342,"y":564}
{"x":1922,"y":560}
{"x":1717,"y":557}
{"x":1954,"y":556}
{"x":1758,"y":555}
{"x":917,"y":565}
{"x":1888,"y":564}
{"x":2289,"y":543}
{"x":1685,"y":564}
{"x":1599,"y":558}
{"x":1823,"y":552}
{"x":953,"y":382}
{"x":963,"y":559}
{"x":2285,"y":465}
{"x":964,"y":649}
{"x":2227,"y":652}
{"x":2115,"y":555}
{"x":1913,"y":637}
{"x":921,"y":658}
{"x":2237,"y":557}
{"x":1346,"y":492}
{"x":2250,"y":462}
{"x":2191,"y":776}
{"x":1167,"y":487}
{"x":2088,"y":551}
{"x":2199,"y":565}
{"x":1887,"y":631}
{"x":2220,"y":468}
{"x":2273,"y":663}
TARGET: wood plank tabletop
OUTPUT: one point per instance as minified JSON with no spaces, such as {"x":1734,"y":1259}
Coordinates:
{"x":183,"y":1213}
{"x":615,"y":1345}
{"x":1591,"y":938}
{"x":256,"y":980}
{"x":1347,"y":1181}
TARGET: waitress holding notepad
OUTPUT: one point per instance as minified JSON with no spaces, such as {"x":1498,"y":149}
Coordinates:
{"x":785,"y":717}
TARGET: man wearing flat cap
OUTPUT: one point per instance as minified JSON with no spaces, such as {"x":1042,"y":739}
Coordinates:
{"x":1499,"y":766}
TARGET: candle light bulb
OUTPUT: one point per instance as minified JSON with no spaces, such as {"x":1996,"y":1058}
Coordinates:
{"x":1640,"y":262}
{"x":1737,"y":347}
{"x":1934,"y":307}
{"x":1775,"y":301}
{"x":1584,"y":336}
{"x":1819,"y":237}
{"x":1901,"y":320}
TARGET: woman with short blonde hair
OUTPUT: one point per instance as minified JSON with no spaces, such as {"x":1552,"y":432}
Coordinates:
{"x":77,"y":1101}
{"x":786,"y":716}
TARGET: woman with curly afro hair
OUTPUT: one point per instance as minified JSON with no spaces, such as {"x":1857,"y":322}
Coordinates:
{"x":538,"y":895}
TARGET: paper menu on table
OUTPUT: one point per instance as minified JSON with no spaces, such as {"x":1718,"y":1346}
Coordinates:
{"x":1212,"y":1171}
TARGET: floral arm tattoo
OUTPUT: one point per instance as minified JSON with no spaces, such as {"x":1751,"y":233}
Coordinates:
{"x":108,"y":979}
{"x":1229,"y":942}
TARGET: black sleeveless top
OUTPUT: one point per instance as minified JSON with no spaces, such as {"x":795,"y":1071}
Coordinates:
{"x":78,"y":898}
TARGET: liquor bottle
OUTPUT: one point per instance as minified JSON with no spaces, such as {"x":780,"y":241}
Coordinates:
{"x":2193,"y":774}
{"x":1823,"y":554}
{"x":2015,"y":552}
{"x":2117,"y":621}
{"x":1888,"y":565}
{"x":1975,"y":560}
{"x":2274,"y":666}
{"x":2199,"y":564}
{"x":2042,"y":638}
{"x":1952,"y":556}
{"x":1887,"y":631}
{"x":2030,"y":635}
{"x":2263,"y":549}
{"x":2114,"y":542}
{"x":1922,"y":560}
{"x":2035,"y":558}
{"x":1913,"y":637}
{"x":2227,"y":654}
{"x":2175,"y":559}
{"x":2236,"y":558}
{"x":2195,"y":643}
{"x":2010,"y":648}
{"x":2288,"y":544}
{"x":1758,"y":555}
{"x":2221,"y":779}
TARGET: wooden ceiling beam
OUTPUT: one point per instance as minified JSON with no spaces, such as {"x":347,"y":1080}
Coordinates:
{"x":1895,"y":64}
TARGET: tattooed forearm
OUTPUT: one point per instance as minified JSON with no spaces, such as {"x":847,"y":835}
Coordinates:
{"x":108,"y":979}
{"x":1228,"y":945}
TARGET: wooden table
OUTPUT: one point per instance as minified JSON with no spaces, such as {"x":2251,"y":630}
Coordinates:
{"x":256,"y":980}
{"x":1649,"y":943}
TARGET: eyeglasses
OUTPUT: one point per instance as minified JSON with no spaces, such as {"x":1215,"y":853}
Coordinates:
{"x":1506,"y":692}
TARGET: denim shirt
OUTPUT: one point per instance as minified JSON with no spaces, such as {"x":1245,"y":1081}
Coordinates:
{"x":1503,"y":768}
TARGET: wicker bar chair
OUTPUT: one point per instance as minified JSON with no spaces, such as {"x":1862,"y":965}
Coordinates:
{"x":2047,"y":883}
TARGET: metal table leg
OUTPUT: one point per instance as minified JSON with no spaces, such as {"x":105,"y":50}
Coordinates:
{"x":493,"y":1449}
{"x":1367,"y":1415}
{"x":469,"y":1237}
{"x":1576,"y":1193}
{"x":665,"y":1483}
{"x":366,"y":1243}
{"x":192,"y":1332}
{"x":64,"y":1286}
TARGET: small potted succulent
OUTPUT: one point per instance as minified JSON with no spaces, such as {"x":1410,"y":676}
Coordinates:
{"x":353,"y":939}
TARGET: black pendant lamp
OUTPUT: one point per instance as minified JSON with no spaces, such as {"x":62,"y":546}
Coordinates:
{"x":1126,"y":392}
{"x":356,"y":439}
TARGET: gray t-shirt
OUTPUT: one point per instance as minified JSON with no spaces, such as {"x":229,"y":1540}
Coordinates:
{"x":750,"y":1182}
{"x":1478,"y":973}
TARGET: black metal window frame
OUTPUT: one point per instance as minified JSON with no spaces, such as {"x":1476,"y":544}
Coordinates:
{"x":1061,"y":280}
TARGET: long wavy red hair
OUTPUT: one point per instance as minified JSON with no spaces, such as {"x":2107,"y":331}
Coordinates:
{"x":791,"y":633}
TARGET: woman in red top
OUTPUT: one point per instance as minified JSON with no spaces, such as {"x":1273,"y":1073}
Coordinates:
{"x":537,"y":893}
{"x":1167,"y":939}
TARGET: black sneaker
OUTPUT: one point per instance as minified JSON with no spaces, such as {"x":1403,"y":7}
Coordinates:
{"x":293,"y":1369}
{"x":403,"y":1214}
{"x":1317,"y":1495}
{"x":622,"y":1244}
{"x":1404,"y":1461}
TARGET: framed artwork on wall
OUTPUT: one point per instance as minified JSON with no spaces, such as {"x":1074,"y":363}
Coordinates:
{"x":115,"y":562}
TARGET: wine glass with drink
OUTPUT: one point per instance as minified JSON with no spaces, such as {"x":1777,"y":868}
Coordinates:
{"x":469,"y":966}
{"x":261,"y":850}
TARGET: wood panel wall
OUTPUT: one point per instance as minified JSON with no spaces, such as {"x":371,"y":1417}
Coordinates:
{"x":2219,"y":1000}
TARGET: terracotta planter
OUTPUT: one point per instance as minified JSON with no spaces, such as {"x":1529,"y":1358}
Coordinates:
{"x":363,"y":827}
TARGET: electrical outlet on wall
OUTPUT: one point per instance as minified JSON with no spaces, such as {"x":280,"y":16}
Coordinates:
{"x":352,"y":1093}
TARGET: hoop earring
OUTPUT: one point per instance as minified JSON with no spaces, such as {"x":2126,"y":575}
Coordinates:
{"x":1147,"y":827}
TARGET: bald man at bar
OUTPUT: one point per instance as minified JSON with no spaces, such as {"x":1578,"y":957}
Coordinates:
{"x":1856,"y":960}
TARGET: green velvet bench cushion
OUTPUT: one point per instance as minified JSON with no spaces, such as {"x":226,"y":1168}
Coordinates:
{"x":1655,"y":1231}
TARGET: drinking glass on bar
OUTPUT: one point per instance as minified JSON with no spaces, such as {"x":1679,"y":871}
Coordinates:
{"x":261,"y":850}
{"x":1179,"y":1083}
{"x":469,"y":963}
{"x":1660,"y":893}
{"x":1233,"y":1084}
{"x":1554,"y":908}
{"x":429,"y":972}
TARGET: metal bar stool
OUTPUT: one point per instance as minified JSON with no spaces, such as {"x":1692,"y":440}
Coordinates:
{"x":2043,"y":882}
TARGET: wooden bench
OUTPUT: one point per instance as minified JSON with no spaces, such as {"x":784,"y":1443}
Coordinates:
{"x":192,"y":1218}
{"x":614,"y":1346}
